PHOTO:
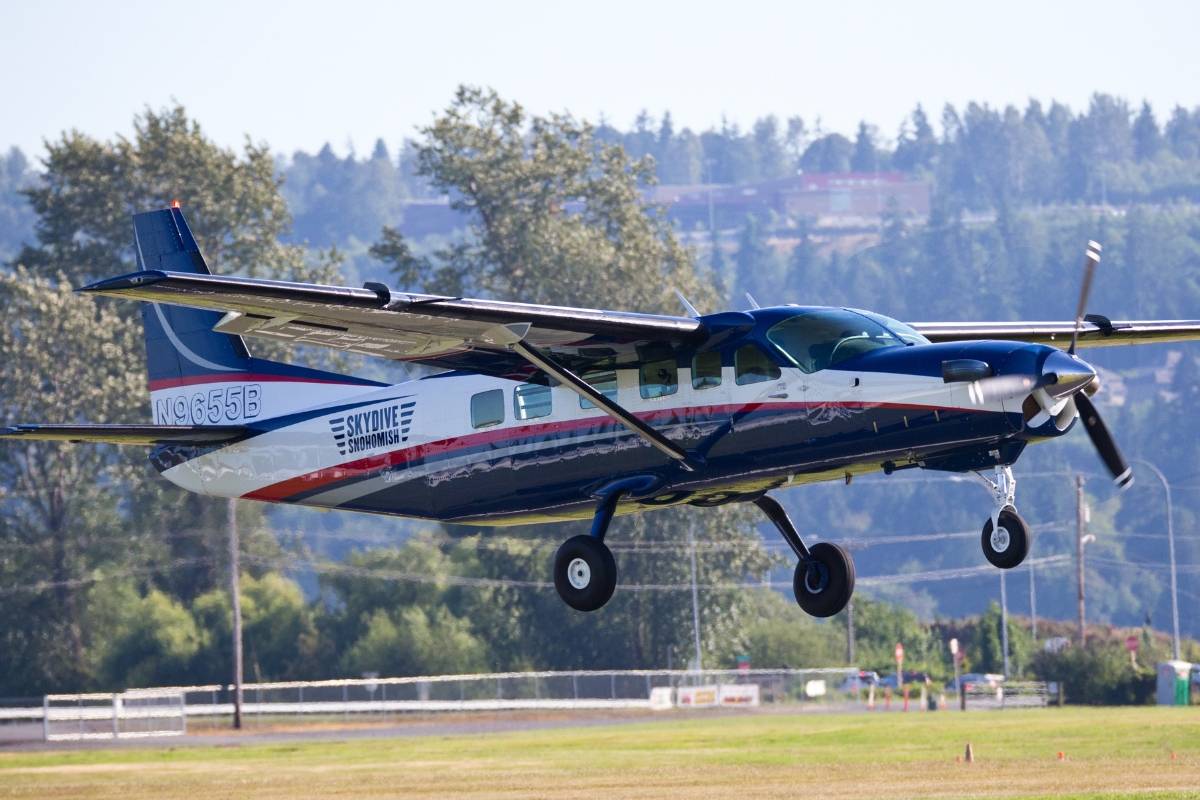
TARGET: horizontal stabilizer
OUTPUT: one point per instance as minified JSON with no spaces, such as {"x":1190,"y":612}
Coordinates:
{"x":127,"y":434}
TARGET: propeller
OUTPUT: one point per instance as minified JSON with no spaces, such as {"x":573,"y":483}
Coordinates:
{"x":1103,"y":441}
{"x":1097,"y":431}
{"x":1068,"y":385}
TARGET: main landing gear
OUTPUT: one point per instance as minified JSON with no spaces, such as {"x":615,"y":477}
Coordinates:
{"x":585,"y":573}
{"x":824,"y":578}
{"x":1005,"y":538}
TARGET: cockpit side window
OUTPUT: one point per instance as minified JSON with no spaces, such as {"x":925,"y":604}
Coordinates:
{"x":752,"y":365}
{"x":820,"y":339}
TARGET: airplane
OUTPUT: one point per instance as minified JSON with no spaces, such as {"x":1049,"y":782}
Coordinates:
{"x":541,"y":413}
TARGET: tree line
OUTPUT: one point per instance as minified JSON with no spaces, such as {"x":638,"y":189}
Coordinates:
{"x":108,"y":576}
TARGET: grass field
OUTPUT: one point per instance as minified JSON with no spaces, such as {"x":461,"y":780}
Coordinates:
{"x":1108,"y":753}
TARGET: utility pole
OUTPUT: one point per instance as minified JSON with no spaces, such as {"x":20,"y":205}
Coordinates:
{"x":1171,"y":548}
{"x":1079,"y":525}
{"x":1032,"y":601}
{"x":695,"y":597}
{"x":235,"y":602}
{"x":1004,"y":619}
{"x":850,"y":632}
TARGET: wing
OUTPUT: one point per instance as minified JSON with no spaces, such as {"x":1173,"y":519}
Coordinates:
{"x":448,"y":332}
{"x":127,"y":434}
{"x":1096,"y":331}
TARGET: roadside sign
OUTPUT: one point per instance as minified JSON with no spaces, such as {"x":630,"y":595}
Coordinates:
{"x":899,"y":653}
{"x":743,"y":663}
{"x":1131,"y":643}
{"x":954,"y":647}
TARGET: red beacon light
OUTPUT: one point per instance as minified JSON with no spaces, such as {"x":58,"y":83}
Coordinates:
{"x":174,"y":204}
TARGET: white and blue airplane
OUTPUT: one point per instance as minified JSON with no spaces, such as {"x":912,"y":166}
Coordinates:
{"x":543,"y":413}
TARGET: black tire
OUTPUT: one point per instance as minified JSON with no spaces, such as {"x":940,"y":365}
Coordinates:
{"x":1009,"y":548}
{"x":585,"y":573}
{"x":824,"y":585}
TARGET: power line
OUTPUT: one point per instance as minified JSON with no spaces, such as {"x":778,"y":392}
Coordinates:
{"x":98,"y":576}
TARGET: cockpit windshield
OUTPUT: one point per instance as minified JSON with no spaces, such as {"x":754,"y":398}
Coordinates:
{"x":907,"y":333}
{"x":816,"y":340}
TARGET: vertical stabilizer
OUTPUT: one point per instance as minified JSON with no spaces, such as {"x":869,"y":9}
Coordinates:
{"x":198,"y":376}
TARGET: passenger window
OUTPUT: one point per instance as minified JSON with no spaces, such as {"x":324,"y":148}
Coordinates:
{"x":658,"y":376}
{"x":487,"y":408}
{"x":752,"y":365}
{"x":531,"y":400}
{"x":706,"y":370}
{"x":603,"y":382}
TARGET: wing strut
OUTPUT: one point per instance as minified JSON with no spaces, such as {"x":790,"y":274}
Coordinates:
{"x":583,"y":389}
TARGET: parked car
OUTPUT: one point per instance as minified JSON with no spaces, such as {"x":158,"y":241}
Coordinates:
{"x":910,"y":679}
{"x":862,"y":680}
{"x":988,"y":680}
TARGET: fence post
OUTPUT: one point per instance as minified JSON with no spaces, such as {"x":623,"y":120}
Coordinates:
{"x":575,"y":685}
{"x":116,"y":726}
{"x":46,"y":717}
{"x":612,"y":685}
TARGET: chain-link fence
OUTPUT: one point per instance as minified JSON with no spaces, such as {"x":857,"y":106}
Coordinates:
{"x":578,"y":690}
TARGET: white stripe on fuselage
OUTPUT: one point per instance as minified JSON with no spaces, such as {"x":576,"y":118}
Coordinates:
{"x":442,"y":412}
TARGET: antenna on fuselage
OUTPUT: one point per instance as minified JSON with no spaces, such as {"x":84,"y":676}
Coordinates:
{"x":687,"y":306}
{"x":753,"y":303}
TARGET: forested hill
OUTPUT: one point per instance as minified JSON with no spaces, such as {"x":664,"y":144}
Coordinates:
{"x":1005,"y":201}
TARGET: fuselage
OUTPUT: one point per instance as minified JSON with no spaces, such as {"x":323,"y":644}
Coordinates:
{"x":475,"y":449}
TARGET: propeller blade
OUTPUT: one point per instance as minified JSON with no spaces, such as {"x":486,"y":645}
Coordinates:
{"x":1091,"y":259}
{"x":1103,"y":441}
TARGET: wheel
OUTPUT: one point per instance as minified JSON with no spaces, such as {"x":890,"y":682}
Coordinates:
{"x":1007,"y":545}
{"x":585,"y":573}
{"x":823,"y":585}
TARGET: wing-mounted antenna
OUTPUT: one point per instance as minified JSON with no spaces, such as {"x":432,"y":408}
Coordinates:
{"x":753,"y":303}
{"x":1091,"y":259}
{"x":687,"y":306}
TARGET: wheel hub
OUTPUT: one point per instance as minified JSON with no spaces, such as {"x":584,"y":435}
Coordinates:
{"x":579,"y":574}
{"x":1000,"y":539}
{"x":816,"y":578}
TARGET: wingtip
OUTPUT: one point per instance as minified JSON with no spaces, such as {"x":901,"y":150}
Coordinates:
{"x":129,"y":281}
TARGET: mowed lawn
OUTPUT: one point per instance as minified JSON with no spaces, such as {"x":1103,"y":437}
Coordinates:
{"x":1108,"y":753}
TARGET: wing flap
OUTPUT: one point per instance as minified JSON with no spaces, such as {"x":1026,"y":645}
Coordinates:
{"x":145,"y":435}
{"x":1097,"y":331}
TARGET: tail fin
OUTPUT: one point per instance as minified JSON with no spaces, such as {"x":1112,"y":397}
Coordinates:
{"x":180,"y":342}
{"x":198,"y":376}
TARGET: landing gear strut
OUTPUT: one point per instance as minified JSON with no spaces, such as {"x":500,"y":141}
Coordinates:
{"x":1005,"y":538}
{"x":824,"y":577}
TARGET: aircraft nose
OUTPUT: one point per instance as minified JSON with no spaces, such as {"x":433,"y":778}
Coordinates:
{"x":1064,"y":374}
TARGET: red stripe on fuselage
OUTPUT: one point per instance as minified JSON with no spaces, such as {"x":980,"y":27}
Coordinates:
{"x":316,"y":479}
{"x":251,"y":377}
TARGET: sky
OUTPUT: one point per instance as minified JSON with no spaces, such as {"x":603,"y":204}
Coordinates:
{"x":303,"y":73}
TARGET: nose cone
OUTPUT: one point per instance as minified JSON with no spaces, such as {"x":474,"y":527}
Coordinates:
{"x":1065,"y":374}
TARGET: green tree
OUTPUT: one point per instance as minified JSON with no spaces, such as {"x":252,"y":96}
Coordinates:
{"x":1147,"y":139}
{"x":60,"y":517}
{"x":416,"y":642}
{"x":278,"y":634}
{"x":148,"y":639}
{"x":556,"y":215}
{"x":83,"y":202}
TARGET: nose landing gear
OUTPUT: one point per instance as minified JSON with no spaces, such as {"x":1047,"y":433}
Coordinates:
{"x":823,"y":581}
{"x":1005,"y":538}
